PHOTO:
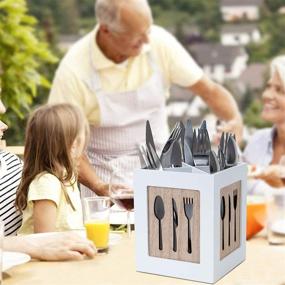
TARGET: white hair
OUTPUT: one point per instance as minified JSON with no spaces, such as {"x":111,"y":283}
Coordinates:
{"x":278,"y":65}
{"x":108,"y":12}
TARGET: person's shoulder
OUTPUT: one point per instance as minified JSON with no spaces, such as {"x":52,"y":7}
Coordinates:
{"x":82,"y":45}
{"x":78,"y":52}
{"x":4,"y":154}
{"x":8,"y":156}
{"x":163,"y":43}
{"x":262,"y":134}
{"x":159,"y":35}
{"x":257,"y":146}
{"x":45,"y":186}
{"x":46,"y":178}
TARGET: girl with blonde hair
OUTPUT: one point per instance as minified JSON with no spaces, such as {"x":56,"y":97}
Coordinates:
{"x":48,"y":194}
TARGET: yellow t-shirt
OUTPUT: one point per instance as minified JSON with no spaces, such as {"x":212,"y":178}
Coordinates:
{"x":73,"y":78}
{"x":48,"y":187}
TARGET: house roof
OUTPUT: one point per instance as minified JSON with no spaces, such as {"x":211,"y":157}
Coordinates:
{"x":215,"y":53}
{"x":254,"y":76}
{"x":238,"y":28}
{"x":186,"y":30}
{"x":241,"y":3}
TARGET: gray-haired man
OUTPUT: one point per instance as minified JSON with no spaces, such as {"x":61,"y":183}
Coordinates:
{"x":120,"y":75}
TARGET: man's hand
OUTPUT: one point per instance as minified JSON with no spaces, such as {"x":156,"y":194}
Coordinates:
{"x":234,"y":126}
{"x":222,"y":103}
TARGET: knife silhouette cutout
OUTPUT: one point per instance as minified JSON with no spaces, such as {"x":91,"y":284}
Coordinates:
{"x":223,"y":213}
{"x":175,"y":224}
{"x":230,"y":217}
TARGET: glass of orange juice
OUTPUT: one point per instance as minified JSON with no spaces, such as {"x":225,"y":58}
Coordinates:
{"x":96,"y":221}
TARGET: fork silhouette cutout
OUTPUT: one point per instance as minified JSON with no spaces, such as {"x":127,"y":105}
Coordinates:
{"x":188,"y":210}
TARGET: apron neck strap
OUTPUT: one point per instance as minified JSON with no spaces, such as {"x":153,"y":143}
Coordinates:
{"x":96,"y":81}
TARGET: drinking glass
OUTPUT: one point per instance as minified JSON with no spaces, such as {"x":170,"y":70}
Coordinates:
{"x":96,"y":221}
{"x":122,"y":194}
{"x":276,"y":216}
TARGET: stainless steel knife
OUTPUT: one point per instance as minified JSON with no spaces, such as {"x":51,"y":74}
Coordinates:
{"x":188,"y":139}
{"x":149,"y":136}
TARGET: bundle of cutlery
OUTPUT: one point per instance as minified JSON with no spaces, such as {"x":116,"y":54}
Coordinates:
{"x":189,"y":146}
{"x":190,"y":205}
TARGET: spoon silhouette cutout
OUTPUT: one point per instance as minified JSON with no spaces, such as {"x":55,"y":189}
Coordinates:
{"x":159,"y":214}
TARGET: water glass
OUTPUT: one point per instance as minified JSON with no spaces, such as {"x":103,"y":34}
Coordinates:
{"x":276,"y":216}
{"x":96,"y":221}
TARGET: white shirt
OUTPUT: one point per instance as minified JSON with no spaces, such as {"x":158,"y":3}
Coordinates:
{"x":10,"y":176}
{"x":259,"y":151}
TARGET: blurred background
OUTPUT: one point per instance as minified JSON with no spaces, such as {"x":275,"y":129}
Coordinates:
{"x":232,"y":40}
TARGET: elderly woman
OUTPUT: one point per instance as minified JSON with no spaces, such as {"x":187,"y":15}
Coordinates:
{"x":266,"y":150}
{"x":10,"y":175}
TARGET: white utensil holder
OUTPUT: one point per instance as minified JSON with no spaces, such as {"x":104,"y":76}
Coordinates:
{"x":209,"y":260}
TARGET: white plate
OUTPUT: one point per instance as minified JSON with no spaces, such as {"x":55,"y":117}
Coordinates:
{"x":11,"y":259}
{"x":279,"y":227}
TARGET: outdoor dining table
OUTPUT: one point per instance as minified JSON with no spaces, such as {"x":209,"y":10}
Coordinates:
{"x":264,"y":265}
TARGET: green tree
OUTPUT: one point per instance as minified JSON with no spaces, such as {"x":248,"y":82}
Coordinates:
{"x":176,"y":13}
{"x":87,"y":8}
{"x":273,"y":43}
{"x":274,"y":5}
{"x":57,"y":16}
{"x":68,"y":16}
{"x":252,"y":116}
{"x":21,"y":56}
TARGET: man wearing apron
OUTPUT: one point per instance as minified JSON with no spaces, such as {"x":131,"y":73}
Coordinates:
{"x":120,"y":74}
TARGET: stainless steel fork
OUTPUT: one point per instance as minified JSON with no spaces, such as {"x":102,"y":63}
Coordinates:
{"x":188,"y":210}
{"x":201,"y":149}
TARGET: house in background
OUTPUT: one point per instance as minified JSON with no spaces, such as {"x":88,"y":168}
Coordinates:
{"x":183,"y":105}
{"x":190,"y":33}
{"x":236,"y":10}
{"x":220,"y":62}
{"x":240,"y":34}
{"x":253,"y":78}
